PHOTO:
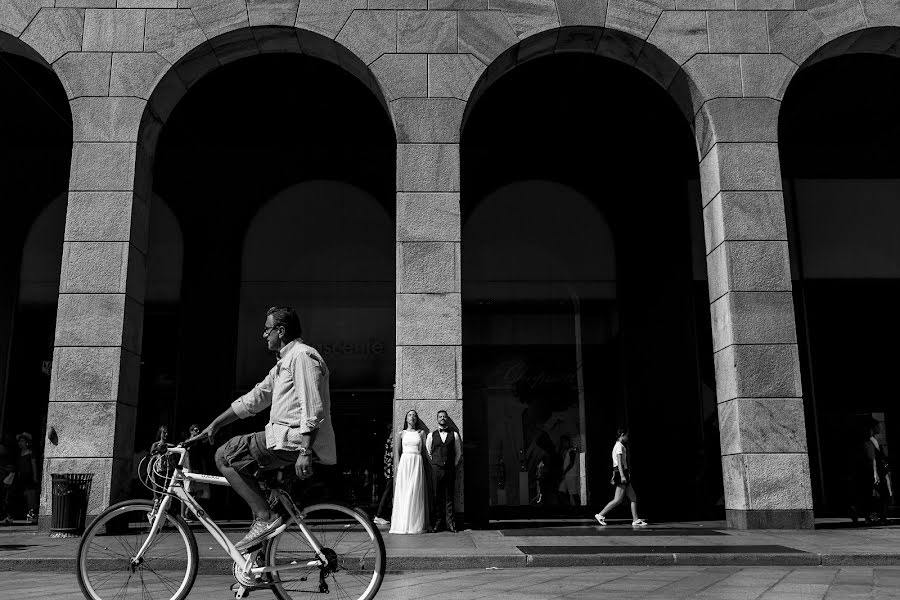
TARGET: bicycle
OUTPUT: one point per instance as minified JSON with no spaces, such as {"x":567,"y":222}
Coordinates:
{"x":141,"y":546}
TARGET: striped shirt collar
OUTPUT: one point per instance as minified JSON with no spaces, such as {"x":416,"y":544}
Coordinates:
{"x":287,"y":348}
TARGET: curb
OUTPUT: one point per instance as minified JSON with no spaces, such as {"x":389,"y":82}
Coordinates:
{"x":220,"y":566}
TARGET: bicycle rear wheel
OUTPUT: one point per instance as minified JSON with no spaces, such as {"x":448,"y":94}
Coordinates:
{"x":352,"y":543}
{"x":167,"y":569}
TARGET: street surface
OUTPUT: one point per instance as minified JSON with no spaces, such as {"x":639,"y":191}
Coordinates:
{"x":574,"y":583}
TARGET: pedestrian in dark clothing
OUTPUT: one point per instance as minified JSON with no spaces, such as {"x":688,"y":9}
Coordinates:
{"x":7,"y":476}
{"x":25,"y":484}
{"x":387,"y":498}
{"x":877,"y":470}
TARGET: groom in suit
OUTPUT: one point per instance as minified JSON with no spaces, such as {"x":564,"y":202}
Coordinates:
{"x":444,"y":449}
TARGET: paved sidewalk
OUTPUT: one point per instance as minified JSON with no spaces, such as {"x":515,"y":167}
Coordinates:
{"x":574,"y":543}
{"x":571,"y":583}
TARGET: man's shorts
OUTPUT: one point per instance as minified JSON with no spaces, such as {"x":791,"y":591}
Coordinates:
{"x":249,"y":454}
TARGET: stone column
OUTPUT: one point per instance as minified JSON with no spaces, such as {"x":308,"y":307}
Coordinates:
{"x":429,"y":321}
{"x":96,"y":359}
{"x":765,"y":464}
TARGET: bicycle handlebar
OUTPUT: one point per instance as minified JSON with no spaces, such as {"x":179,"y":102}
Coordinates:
{"x":160,"y":448}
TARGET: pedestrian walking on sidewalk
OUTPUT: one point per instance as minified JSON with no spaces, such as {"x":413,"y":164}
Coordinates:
{"x":621,"y":479}
{"x":878,"y":475}
{"x":387,"y":497}
{"x":411,"y":491}
{"x":7,"y":476}
{"x":568,"y":485}
{"x":25,"y":484}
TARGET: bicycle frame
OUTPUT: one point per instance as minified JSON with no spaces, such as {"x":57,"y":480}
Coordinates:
{"x":179,"y":487}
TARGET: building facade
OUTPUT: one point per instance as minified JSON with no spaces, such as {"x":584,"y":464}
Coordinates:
{"x":548,"y":217}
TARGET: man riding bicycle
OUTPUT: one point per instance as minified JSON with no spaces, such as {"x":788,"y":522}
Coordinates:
{"x":299,"y":431}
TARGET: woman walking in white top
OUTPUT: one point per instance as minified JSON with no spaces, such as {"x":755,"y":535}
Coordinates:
{"x":622,"y":480}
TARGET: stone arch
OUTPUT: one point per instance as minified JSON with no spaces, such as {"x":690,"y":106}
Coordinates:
{"x":12,"y":45}
{"x":173,"y":81}
{"x":35,"y":152}
{"x":814,"y":46}
{"x":622,"y":46}
{"x":179,"y":87}
{"x":840,"y":186}
{"x":871,"y":40}
{"x":597,"y":302}
{"x":813,"y":33}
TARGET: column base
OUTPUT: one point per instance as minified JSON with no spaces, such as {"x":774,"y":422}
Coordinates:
{"x":769,"y":519}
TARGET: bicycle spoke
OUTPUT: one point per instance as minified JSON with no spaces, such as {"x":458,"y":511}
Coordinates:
{"x":156,"y":539}
{"x":161,"y":579}
{"x":346,"y":539}
{"x":111,"y":553}
{"x":359,"y":545}
{"x":169,"y":561}
{"x":105,"y":579}
{"x":123,"y":591}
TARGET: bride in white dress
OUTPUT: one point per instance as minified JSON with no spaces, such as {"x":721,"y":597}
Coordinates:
{"x":409,"y":514}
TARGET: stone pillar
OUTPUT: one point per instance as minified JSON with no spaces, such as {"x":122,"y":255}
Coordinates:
{"x":765,"y":464}
{"x":96,"y":359}
{"x":429,"y":321}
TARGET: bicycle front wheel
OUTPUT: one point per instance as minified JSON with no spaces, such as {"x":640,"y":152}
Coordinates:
{"x":106,"y":570}
{"x":353,"y":545}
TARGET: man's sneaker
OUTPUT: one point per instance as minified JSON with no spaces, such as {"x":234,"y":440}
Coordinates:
{"x":380,"y":521}
{"x":259,"y":531}
{"x":639,"y":523}
{"x":600,"y":519}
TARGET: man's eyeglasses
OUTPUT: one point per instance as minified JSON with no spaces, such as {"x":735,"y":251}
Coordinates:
{"x":268,"y":330}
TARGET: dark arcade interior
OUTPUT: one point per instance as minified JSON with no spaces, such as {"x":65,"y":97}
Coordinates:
{"x":840,"y":161}
{"x":273,"y":170}
{"x":35,"y":153}
{"x":598,"y":171}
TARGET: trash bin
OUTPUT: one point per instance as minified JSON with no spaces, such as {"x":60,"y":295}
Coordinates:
{"x":70,"y":500}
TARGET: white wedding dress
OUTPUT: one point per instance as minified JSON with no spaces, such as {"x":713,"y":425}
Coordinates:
{"x":408,"y":514}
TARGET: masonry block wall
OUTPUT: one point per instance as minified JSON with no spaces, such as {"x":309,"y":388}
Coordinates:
{"x":726,"y":63}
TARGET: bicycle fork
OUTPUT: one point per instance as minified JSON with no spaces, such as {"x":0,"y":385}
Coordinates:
{"x":157,"y":517}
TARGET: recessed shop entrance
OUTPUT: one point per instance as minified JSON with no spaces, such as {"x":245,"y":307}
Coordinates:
{"x":35,"y":152}
{"x":838,"y":134}
{"x":585,"y":303}
{"x":273,"y":184}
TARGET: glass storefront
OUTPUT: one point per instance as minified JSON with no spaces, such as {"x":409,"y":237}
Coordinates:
{"x":585,"y":305}
{"x":533,"y":312}
{"x":842,"y":199}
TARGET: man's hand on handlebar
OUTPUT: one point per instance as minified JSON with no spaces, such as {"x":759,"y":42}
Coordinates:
{"x":304,"y":466}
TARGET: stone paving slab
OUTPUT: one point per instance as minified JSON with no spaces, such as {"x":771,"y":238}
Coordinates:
{"x":572,"y":583}
{"x":832,"y":544}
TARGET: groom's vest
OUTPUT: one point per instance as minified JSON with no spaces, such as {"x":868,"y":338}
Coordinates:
{"x":443,"y":454}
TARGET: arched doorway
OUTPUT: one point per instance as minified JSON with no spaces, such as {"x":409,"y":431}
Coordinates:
{"x":35,"y":151}
{"x":278,"y":170}
{"x":838,"y":132}
{"x":585,"y":303}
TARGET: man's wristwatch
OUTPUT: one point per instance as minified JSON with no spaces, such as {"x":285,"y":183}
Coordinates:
{"x":304,"y":451}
